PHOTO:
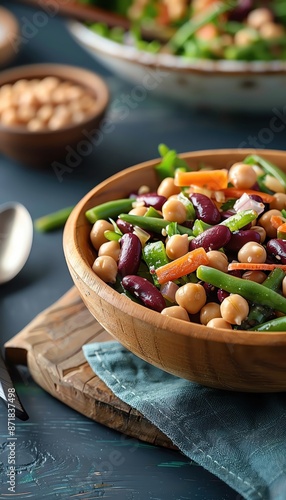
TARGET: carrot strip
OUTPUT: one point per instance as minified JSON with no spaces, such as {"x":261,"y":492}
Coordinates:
{"x":209,"y":179}
{"x":254,"y":266}
{"x":237,"y":193}
{"x":182,"y":266}
{"x":276,"y":221}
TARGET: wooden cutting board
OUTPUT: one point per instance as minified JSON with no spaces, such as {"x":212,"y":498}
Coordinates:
{"x":51,"y":347}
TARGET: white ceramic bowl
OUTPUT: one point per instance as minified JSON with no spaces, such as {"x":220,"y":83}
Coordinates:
{"x":221,"y":85}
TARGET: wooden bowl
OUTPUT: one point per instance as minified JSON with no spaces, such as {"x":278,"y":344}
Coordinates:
{"x":231,"y":360}
{"x":42,"y":148}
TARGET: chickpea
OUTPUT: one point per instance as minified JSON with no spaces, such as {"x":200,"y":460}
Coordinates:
{"x":177,"y":312}
{"x":26,"y":113}
{"x":57,"y":122}
{"x":245,"y":37}
{"x":111,"y":248}
{"x":49,"y":83}
{"x":252,"y":252}
{"x":35,"y":124}
{"x":140,"y":210}
{"x":261,"y":231}
{"x":273,"y":184}
{"x":143,"y":189}
{"x":257,"y":276}
{"x":279,"y":201}
{"x":234,"y":309}
{"x":242,"y":176}
{"x":209,"y":311}
{"x":97,"y":232}
{"x":219,"y":323}
{"x":177,"y":245}
{"x":174,"y":211}
{"x":217,"y":260}
{"x":167,"y":187}
{"x":74,"y":92}
{"x":265,"y":222}
{"x":45,"y":112}
{"x":105,"y":268}
{"x":272,"y":31}
{"x":258,"y":17}
{"x":9,"y":116}
{"x":192,"y":297}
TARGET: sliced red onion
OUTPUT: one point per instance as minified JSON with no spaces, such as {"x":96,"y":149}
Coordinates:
{"x":168,"y":290}
{"x":245,"y":202}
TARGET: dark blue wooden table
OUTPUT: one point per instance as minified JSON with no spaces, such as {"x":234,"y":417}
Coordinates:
{"x":61,"y":454}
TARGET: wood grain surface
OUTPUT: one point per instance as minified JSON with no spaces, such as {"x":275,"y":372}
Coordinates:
{"x":51,"y":346}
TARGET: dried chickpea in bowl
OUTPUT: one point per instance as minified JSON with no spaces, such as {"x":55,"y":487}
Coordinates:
{"x":60,"y":105}
{"x":47,"y":103}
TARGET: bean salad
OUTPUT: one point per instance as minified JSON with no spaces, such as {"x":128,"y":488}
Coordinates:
{"x":209,"y":246}
{"x":244,"y":30}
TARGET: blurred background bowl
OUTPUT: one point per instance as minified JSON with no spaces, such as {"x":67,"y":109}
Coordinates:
{"x":225,"y":359}
{"x":39,"y":148}
{"x":220,"y":85}
{"x":9,"y":37}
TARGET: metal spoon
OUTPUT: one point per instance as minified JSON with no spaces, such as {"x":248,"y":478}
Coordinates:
{"x":16,"y":236}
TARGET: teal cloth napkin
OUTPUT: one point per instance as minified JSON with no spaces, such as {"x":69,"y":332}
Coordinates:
{"x":239,"y":437}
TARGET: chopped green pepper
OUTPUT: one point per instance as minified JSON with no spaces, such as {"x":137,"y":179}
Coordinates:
{"x":155,"y":256}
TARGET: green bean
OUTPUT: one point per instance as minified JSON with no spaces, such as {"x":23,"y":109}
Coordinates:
{"x":268,"y":167}
{"x":259,"y":314}
{"x":52,"y":221}
{"x":239,"y":220}
{"x":250,"y":290}
{"x":188,"y":29}
{"x":153,"y":224}
{"x":274,"y":325}
{"x":109,"y":209}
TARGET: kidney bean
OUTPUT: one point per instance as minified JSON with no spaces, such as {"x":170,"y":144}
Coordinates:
{"x":228,"y":213}
{"x":222,"y":294}
{"x":130,"y":254}
{"x":125,"y":227}
{"x":277,"y":248}
{"x":256,"y":197}
{"x":205,"y":208}
{"x":145,"y":291}
{"x":239,"y":238}
{"x":212,"y":239}
{"x":152,"y":200}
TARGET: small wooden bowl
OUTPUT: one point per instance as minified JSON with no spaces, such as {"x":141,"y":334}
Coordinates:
{"x":42,"y":148}
{"x":231,"y":360}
